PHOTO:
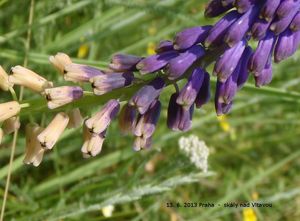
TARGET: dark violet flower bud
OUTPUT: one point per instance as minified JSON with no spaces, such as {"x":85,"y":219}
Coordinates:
{"x":227,"y":2}
{"x":244,"y":5}
{"x":142,"y":143}
{"x":155,"y":62}
{"x":260,"y":28}
{"x":217,"y":32}
{"x":127,"y":118}
{"x":100,"y":121}
{"x":124,"y":62}
{"x":146,"y":123}
{"x":286,"y":7}
{"x":163,"y":46}
{"x":296,"y":41}
{"x":203,"y":95}
{"x":238,"y":29}
{"x":268,"y":10}
{"x":222,"y":108}
{"x":178,"y":117}
{"x":243,"y":67}
{"x":284,"y":46}
{"x":295,"y":24}
{"x":110,"y":81}
{"x":227,"y":63}
{"x":59,"y":96}
{"x":261,"y":55}
{"x":265,"y":76}
{"x":80,"y":73}
{"x":281,"y":24}
{"x":190,"y":36}
{"x":179,"y":65}
{"x":188,"y":94}
{"x":216,"y":8}
{"x":147,"y":94}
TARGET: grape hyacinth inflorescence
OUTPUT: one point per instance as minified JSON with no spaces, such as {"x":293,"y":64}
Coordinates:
{"x":272,"y":25}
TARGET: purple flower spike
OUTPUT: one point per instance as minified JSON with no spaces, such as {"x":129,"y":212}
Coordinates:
{"x":191,"y":36}
{"x":265,"y":76}
{"x":179,"y":65}
{"x":215,"y":8}
{"x":285,"y":46}
{"x":124,"y":62}
{"x":243,"y":72}
{"x":178,"y":117}
{"x":146,"y":123}
{"x":147,"y":94}
{"x":227,"y":63}
{"x":238,"y":30}
{"x":260,"y":57}
{"x":127,"y":118}
{"x":268,"y":10}
{"x":155,"y":62}
{"x":188,"y":94}
{"x":204,"y":93}
{"x":295,"y":24}
{"x":217,"y":32}
{"x":260,"y":28}
{"x":286,"y":7}
{"x":101,"y":120}
{"x":244,"y":5}
{"x":110,"y":81}
{"x":163,"y":46}
{"x":279,"y":25}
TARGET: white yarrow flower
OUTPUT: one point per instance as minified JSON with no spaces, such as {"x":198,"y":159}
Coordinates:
{"x":196,"y":150}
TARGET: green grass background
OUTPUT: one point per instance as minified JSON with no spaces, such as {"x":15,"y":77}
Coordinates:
{"x":259,"y":156}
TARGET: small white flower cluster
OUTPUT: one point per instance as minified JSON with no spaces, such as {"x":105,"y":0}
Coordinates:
{"x":196,"y":150}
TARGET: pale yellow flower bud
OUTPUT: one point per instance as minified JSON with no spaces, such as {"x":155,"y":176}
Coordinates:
{"x":34,"y":152}
{"x":8,"y":110}
{"x":75,"y":118}
{"x":92,"y":145}
{"x":53,"y":131}
{"x":10,"y":125}
{"x":29,"y":79}
{"x":4,"y":83}
{"x":59,"y":61}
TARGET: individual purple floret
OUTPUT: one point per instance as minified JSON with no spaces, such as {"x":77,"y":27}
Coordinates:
{"x":260,"y":28}
{"x":124,"y":62}
{"x":281,"y":24}
{"x":191,"y":36}
{"x":286,"y":7}
{"x":127,"y":118}
{"x":147,"y":94}
{"x":243,"y":67}
{"x":218,"y":31}
{"x":222,"y":108}
{"x":163,"y":46}
{"x":265,"y":76}
{"x":107,"y":82}
{"x":203,"y":95}
{"x":146,"y":123}
{"x":188,"y":94}
{"x":215,"y":8}
{"x":178,"y":117}
{"x":179,"y":65}
{"x":261,"y":55}
{"x":227,"y":63}
{"x":295,"y":24}
{"x":268,"y":9}
{"x":284,"y":46}
{"x":238,"y":29}
{"x":155,"y":62}
{"x":244,"y":5}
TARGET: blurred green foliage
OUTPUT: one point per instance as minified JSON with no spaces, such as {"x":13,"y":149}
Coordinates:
{"x":254,"y":150}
